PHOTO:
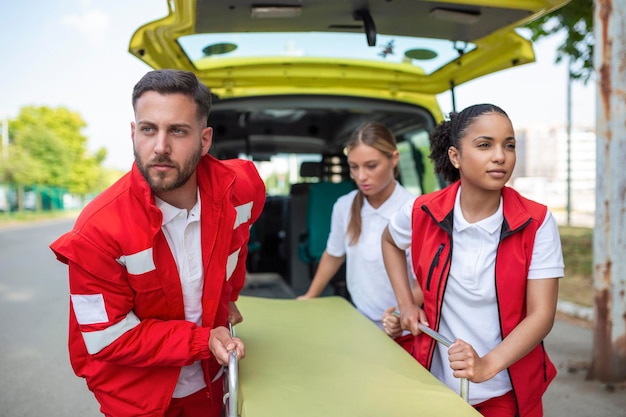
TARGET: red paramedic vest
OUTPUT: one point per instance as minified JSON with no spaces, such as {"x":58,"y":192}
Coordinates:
{"x":431,"y":250}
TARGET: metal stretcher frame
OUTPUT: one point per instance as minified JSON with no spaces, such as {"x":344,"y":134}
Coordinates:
{"x":231,"y":384}
{"x":321,"y":357}
{"x":464,"y":391}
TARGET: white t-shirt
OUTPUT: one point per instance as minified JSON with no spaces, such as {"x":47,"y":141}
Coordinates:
{"x":366,"y":277}
{"x":470,"y":291}
{"x":182,"y":231}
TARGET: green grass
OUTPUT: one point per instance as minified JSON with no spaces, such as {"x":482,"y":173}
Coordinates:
{"x":577,"y":285}
{"x":27,"y":216}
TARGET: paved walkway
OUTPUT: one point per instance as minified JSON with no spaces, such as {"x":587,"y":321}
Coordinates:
{"x":570,"y":346}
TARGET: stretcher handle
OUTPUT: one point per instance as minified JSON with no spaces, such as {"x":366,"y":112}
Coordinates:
{"x":441,"y":339}
{"x":233,"y":381}
{"x":446,"y":342}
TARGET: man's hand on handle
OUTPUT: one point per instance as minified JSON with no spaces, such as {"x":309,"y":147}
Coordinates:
{"x":221,"y":343}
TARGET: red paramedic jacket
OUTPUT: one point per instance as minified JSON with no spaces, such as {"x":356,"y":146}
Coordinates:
{"x":431,"y":250}
{"x":131,"y":338}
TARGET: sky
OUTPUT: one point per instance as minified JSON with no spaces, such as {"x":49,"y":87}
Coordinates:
{"x":74,"y":53}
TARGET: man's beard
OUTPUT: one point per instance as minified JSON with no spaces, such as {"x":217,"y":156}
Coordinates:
{"x":159,"y":183}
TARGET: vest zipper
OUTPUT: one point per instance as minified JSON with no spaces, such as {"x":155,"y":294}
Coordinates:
{"x":434,"y":264}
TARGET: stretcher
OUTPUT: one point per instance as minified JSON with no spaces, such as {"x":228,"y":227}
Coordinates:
{"x":321,"y":357}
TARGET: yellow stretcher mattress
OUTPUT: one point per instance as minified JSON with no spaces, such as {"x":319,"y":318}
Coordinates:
{"x":323,"y":358}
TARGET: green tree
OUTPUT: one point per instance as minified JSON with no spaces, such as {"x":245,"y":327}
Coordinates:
{"x":49,"y":141}
{"x":46,"y":149}
{"x":87,"y":174}
{"x":22,"y":168}
{"x":576,"y":20}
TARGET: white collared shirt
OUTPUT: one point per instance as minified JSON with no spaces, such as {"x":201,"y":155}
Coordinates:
{"x":366,"y":277}
{"x":182,"y":231}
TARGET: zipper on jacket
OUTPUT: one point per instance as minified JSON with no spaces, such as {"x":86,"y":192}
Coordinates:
{"x":434,"y":264}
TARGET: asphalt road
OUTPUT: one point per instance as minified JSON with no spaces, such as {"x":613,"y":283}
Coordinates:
{"x":36,"y":378}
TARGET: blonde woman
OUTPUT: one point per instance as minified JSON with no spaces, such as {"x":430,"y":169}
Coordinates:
{"x":358,"y":219}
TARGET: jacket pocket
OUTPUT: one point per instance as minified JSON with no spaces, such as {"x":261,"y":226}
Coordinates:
{"x":150,"y":300}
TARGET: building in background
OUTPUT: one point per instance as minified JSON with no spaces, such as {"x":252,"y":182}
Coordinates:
{"x":541,"y":171}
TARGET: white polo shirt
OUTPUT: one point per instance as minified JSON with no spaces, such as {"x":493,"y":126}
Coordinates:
{"x":366,"y":277}
{"x":469,"y":310}
{"x":182,"y":231}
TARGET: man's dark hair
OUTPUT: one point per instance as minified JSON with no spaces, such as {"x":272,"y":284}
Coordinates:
{"x":168,"y":81}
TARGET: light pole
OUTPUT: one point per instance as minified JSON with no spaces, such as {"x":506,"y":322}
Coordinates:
{"x":568,"y":206}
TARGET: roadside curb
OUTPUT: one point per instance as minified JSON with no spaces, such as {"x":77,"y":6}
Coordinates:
{"x":574,"y":310}
{"x":19,"y":224}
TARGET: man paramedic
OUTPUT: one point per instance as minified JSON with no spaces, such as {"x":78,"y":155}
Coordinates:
{"x":157,"y":260}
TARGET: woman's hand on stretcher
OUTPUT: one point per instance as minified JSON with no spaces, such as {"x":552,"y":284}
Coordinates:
{"x":408,"y":318}
{"x":391,"y":323}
